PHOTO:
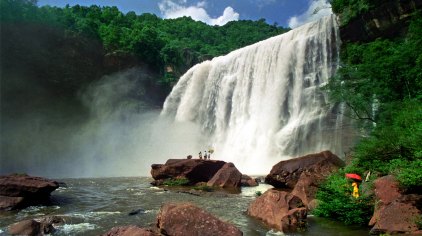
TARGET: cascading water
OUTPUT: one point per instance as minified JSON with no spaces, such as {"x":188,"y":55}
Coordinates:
{"x":263,"y":103}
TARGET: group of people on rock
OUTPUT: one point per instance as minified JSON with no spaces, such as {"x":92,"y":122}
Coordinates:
{"x":207,"y":155}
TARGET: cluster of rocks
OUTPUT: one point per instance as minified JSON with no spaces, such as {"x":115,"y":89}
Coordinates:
{"x":297,"y":181}
{"x":283,"y":208}
{"x":19,"y":190}
{"x":213,"y":173}
{"x":286,"y":209}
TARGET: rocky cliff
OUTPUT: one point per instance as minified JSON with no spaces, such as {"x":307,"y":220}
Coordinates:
{"x":389,"y":20}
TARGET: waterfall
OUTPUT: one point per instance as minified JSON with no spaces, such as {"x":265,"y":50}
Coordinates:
{"x":263,"y":103}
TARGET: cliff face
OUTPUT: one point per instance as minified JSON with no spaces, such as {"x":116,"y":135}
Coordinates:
{"x":389,"y":20}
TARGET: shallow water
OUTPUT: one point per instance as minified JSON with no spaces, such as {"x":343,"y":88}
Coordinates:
{"x":94,"y":206}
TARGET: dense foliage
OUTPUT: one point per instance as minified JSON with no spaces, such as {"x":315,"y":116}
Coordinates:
{"x":175,"y":43}
{"x":381,"y":82}
{"x":350,"y":9}
{"x":336,"y":202}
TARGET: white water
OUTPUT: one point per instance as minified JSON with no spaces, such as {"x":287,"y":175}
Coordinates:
{"x":263,"y":103}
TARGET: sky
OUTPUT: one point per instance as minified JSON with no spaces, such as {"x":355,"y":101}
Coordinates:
{"x":292,"y":13}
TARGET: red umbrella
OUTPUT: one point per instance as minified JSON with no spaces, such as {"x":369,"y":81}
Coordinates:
{"x":353,"y":176}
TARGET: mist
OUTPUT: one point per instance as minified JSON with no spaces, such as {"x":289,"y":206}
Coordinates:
{"x":118,"y":133}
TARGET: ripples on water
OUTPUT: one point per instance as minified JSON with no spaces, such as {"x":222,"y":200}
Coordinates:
{"x":94,"y":206}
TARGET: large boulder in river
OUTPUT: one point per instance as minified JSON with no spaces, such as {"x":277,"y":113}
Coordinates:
{"x":130,"y":230}
{"x":285,"y":174}
{"x":179,"y":219}
{"x":195,"y":170}
{"x":248,"y":181}
{"x":22,"y":190}
{"x":280,"y":210}
{"x":395,"y":212}
{"x":227,"y":177}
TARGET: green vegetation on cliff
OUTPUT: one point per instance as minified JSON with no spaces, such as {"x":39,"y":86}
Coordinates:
{"x":381,"y":83}
{"x":168,"y":47}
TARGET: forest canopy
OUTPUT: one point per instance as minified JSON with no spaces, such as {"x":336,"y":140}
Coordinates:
{"x":179,"y":43}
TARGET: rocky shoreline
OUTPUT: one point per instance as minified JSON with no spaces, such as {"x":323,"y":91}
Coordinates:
{"x":283,"y":208}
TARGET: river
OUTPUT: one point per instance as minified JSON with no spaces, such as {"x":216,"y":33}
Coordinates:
{"x":92,"y":206}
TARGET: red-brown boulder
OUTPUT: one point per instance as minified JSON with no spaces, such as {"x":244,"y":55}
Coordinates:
{"x":26,"y":227}
{"x":285,"y":174}
{"x":280,"y":210}
{"x":38,"y":226}
{"x":130,"y":230}
{"x":26,"y":186}
{"x":180,"y":219}
{"x":394,"y":212}
{"x":9,"y":203}
{"x":18,"y":191}
{"x":248,"y":181}
{"x":227,"y":177}
{"x":307,"y":186}
{"x":195,"y":170}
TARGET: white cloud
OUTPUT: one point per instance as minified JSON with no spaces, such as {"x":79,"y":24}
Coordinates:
{"x":173,"y":9}
{"x":316,"y":10}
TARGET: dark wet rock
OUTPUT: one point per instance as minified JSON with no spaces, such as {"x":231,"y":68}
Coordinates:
{"x":136,"y":212}
{"x":248,"y":181}
{"x":286,"y":174}
{"x":395,"y":212}
{"x":187,"y":219}
{"x":17,"y":191}
{"x":38,"y":226}
{"x":194,"y":170}
{"x":130,"y":230}
{"x":280,"y":210}
{"x":227,"y":177}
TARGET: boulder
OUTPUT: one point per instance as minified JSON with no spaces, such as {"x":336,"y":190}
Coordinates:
{"x":307,"y":186}
{"x":130,"y":230}
{"x":26,"y":227}
{"x":38,"y":226}
{"x":17,"y":191}
{"x":181,"y":219}
{"x":285,"y":174}
{"x":395,"y":212}
{"x":248,"y":181}
{"x":280,"y":210}
{"x":10,"y":203}
{"x":227,"y":177}
{"x":194,"y":170}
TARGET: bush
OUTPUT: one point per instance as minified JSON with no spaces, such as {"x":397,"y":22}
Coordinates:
{"x":258,"y":193}
{"x":337,"y":202}
{"x":408,"y":173}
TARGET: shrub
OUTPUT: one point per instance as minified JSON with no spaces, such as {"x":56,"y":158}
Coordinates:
{"x":176,"y":182}
{"x":258,"y":193}
{"x":408,"y":173}
{"x":337,"y":202}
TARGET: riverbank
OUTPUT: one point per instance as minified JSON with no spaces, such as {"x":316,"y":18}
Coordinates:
{"x":93,"y":206}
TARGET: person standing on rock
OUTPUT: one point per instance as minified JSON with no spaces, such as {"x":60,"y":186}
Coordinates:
{"x":200,"y":155}
{"x":205,"y":155}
